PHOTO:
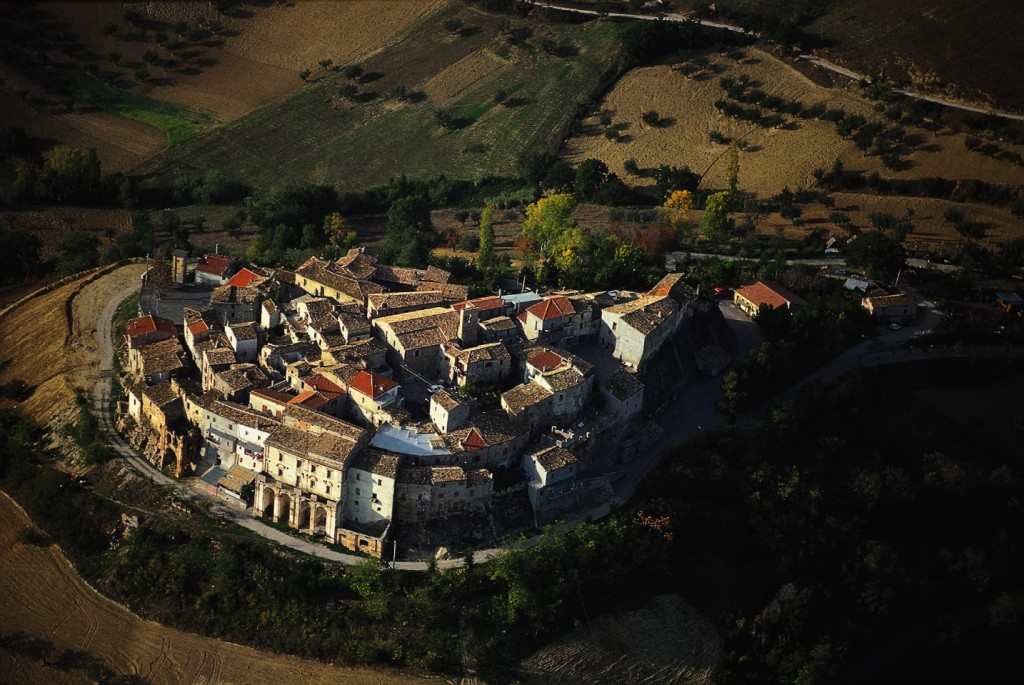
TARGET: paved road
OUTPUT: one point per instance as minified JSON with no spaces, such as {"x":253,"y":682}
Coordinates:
{"x":673,"y":258}
{"x":825,"y":64}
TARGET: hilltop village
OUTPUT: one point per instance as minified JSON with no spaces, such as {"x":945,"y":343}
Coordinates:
{"x":379,"y":408}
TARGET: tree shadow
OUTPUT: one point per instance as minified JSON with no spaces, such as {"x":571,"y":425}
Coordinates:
{"x":160,"y":81}
{"x":414,"y":96}
{"x":628,"y":138}
{"x":753,"y":148}
{"x":512,"y":103}
{"x":366,"y":96}
{"x":189,"y":71}
{"x":468,"y":31}
{"x":665,"y":122}
{"x":371,"y":76}
{"x":205,"y":62}
{"x":477,"y":149}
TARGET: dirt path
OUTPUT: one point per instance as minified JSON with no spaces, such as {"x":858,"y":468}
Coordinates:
{"x":46,"y":599}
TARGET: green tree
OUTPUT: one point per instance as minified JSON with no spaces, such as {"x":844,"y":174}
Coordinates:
{"x":732,"y":166}
{"x":340,"y":236}
{"x":716,"y":224}
{"x":485,"y":253}
{"x":411,"y":233}
{"x":877,"y":253}
{"x":71,"y":174}
{"x":20,"y":255}
{"x":547,"y":219}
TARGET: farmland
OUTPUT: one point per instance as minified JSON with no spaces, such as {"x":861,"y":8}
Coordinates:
{"x":772,"y":158}
{"x":315,"y":135}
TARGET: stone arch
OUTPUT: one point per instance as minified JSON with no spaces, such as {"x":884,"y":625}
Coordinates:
{"x":320,"y":519}
{"x":284,"y":508}
{"x":267,"y":502}
{"x":302,"y":514}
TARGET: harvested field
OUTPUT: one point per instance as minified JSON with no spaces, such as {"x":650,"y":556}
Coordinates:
{"x":53,"y":224}
{"x":667,"y":641}
{"x":49,"y":342}
{"x":773,"y":158}
{"x":65,"y":627}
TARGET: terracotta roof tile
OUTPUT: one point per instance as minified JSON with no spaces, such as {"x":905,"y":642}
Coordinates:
{"x":371,"y":384}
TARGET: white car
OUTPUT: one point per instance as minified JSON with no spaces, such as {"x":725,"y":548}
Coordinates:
{"x":894,"y":326}
{"x":435,"y":388}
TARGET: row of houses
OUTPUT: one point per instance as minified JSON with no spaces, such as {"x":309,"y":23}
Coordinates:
{"x":295,"y":390}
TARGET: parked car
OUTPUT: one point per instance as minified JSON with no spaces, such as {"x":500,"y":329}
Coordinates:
{"x":436,"y":387}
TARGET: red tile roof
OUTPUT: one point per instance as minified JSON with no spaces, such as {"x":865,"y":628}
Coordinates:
{"x":243,"y":278}
{"x":552,"y":308}
{"x":491,"y":302}
{"x":474,"y":441}
{"x":324,"y":386}
{"x":272,"y":395}
{"x":310,"y":399}
{"x":371,"y":384}
{"x":770,"y":294}
{"x":199,"y":327}
{"x":145,"y":325}
{"x":215,"y":264}
{"x":544,"y":360}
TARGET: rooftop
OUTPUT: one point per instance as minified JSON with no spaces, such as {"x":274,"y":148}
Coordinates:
{"x":646,"y":313}
{"x":244,"y":331}
{"x":377,"y":462}
{"x":898,"y":300}
{"x":241,"y":377}
{"x":307,"y":419}
{"x":162,"y":356}
{"x":382,"y":302}
{"x":322,"y":447}
{"x":553,"y":308}
{"x":553,"y":458}
{"x":245,"y":277}
{"x":447,"y":400}
{"x":482,"y":303}
{"x":771,"y":294}
{"x":431,"y":475}
{"x":160,"y":394}
{"x":622,"y":384}
{"x":149,"y":324}
{"x":409,"y":440}
{"x":523,"y":396}
{"x":215,"y":264}
{"x":371,"y":384}
{"x":498,"y":323}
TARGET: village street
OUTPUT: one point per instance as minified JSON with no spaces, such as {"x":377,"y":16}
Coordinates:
{"x":691,"y":413}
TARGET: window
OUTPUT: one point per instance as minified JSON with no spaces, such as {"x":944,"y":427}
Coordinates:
{"x":298,"y":464}
{"x":328,"y":473}
{"x":280,"y":472}
{"x":415,"y":353}
{"x":614,"y":325}
{"x":357,"y":491}
{"x":380,"y":482}
{"x":328,"y":489}
{"x":357,"y":477}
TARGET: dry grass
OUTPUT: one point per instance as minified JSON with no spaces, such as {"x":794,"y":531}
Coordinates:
{"x":46,"y":599}
{"x":773,"y":158}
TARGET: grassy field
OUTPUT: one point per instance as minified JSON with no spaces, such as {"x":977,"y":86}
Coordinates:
{"x":314,"y":135}
{"x":177,"y":122}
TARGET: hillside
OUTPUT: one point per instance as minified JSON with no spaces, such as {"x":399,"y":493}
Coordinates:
{"x":962,"y":50}
{"x":386,"y":126}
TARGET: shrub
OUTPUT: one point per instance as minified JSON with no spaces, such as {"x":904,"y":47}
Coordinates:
{"x":27,"y":535}
{"x":651,"y":117}
{"x":470,"y":242}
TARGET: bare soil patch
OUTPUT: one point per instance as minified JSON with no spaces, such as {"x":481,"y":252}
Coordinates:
{"x":667,"y":641}
{"x":46,"y":599}
{"x":772,"y":158}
